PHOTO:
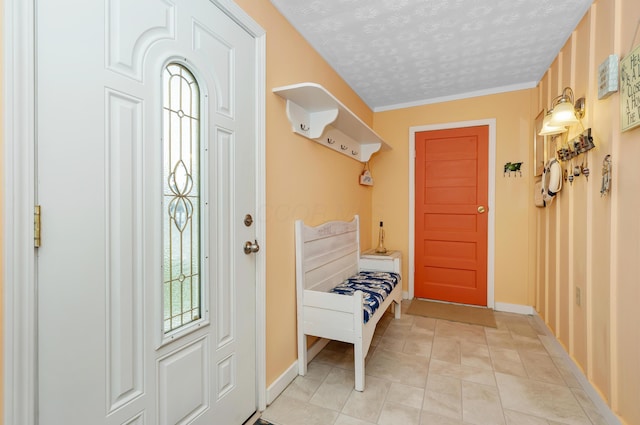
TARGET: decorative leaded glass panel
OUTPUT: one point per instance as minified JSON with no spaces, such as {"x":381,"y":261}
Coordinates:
{"x":181,"y":197}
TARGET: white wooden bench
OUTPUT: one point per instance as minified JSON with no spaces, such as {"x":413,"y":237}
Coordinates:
{"x":326,"y":256}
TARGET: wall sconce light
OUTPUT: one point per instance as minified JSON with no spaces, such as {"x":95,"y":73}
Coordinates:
{"x":549,"y":129}
{"x":565,"y":112}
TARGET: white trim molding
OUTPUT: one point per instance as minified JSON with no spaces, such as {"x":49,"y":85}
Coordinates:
{"x":491,"y":230}
{"x":261,"y":224}
{"x":603,"y":409}
{"x":459,"y":96}
{"x":281,"y":383}
{"x":514,"y":308}
{"x":19,"y":287}
{"x":19,"y":193}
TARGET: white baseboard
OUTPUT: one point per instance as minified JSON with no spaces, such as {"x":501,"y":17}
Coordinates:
{"x":405,"y":295}
{"x":281,"y":383}
{"x":514,"y":308}
{"x":593,"y":394}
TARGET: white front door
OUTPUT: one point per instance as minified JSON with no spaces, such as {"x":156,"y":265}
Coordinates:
{"x":146,"y":134}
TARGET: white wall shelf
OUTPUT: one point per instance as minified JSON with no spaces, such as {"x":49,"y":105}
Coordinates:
{"x":317,"y":115}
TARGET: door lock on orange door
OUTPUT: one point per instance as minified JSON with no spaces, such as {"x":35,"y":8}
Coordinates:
{"x":481,"y":209}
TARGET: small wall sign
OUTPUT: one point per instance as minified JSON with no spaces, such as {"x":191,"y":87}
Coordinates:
{"x":630,"y":90}
{"x":608,"y":77}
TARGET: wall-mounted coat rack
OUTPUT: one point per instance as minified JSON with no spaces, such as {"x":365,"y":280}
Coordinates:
{"x":317,"y":115}
{"x":512,"y":167}
{"x":578,"y":145}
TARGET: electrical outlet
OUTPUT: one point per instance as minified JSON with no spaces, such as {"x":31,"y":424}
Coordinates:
{"x":578,"y":296}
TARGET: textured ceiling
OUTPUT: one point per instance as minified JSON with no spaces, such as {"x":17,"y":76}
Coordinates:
{"x":397,"y":53}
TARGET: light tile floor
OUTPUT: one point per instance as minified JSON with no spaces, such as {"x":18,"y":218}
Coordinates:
{"x":427,"y":371}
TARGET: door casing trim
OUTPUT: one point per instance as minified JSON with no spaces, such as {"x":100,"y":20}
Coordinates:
{"x":491,"y":123}
{"x":18,"y":185}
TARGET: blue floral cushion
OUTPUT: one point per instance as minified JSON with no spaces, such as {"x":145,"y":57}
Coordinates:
{"x":376,"y":286}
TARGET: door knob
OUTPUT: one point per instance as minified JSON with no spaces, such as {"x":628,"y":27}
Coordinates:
{"x":481,"y":209}
{"x":251,"y":247}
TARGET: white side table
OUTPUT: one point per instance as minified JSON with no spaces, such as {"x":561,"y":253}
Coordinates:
{"x":391,"y":261}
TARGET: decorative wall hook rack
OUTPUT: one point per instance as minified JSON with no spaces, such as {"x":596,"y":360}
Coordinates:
{"x":577,"y":146}
{"x":317,"y":115}
{"x":512,"y":167}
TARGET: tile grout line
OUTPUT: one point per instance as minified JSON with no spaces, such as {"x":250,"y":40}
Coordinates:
{"x":493,"y":369}
{"x":426,"y":383}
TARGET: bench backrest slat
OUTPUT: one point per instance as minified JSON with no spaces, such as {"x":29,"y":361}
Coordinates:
{"x":326,"y":254}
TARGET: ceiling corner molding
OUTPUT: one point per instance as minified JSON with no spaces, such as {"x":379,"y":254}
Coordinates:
{"x":461,"y":96}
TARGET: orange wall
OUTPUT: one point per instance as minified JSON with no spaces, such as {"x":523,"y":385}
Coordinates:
{"x":304,"y":179}
{"x":587,"y":242}
{"x":514,"y":215}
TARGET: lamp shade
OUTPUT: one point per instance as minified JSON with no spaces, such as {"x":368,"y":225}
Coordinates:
{"x":563,"y":114}
{"x":549,"y":129}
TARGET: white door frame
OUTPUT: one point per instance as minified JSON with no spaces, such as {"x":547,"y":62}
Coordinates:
{"x":19,"y":283}
{"x":491,"y":229}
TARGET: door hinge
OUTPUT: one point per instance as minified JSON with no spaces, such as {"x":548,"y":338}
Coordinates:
{"x":36,"y":226}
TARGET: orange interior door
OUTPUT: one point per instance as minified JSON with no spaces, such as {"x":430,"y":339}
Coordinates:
{"x":451,"y":217}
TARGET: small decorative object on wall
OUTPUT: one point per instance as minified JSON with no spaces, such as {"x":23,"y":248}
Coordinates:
{"x":578,"y":145}
{"x":606,"y":176}
{"x":583,"y":142}
{"x":365,"y":178}
{"x":584,"y":167}
{"x":538,"y":145}
{"x":629,"y":88}
{"x":551,"y":180}
{"x":608,"y":77}
{"x":512,"y":167}
{"x":575,"y":172}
